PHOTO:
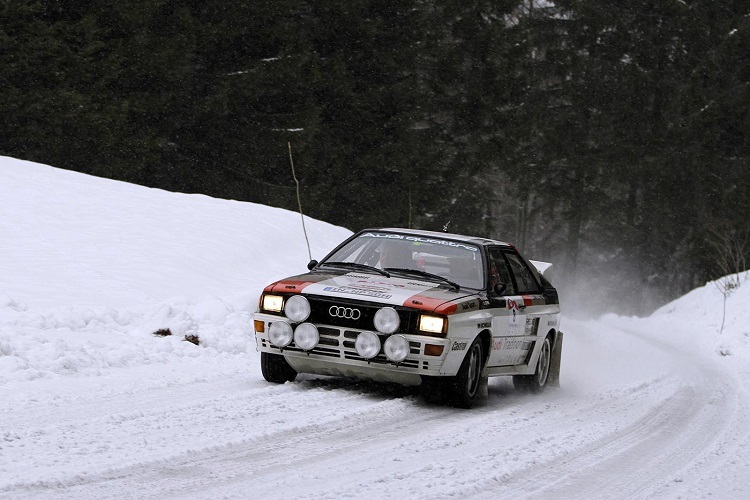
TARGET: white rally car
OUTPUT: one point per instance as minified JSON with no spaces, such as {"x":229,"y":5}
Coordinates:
{"x":439,"y":310}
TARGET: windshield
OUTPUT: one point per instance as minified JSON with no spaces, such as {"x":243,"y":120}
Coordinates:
{"x":398,"y":253}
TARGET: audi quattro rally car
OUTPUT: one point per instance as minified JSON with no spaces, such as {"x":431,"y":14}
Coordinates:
{"x":439,"y":310}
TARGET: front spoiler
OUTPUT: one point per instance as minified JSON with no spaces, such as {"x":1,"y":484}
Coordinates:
{"x":370,"y":372}
{"x":336,"y":355}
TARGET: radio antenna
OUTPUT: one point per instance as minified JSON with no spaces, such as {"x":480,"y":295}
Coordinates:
{"x":299,"y":202}
{"x":453,"y":211}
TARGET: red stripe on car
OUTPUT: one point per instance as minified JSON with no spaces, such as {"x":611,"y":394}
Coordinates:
{"x":431,"y":304}
{"x":289,"y":286}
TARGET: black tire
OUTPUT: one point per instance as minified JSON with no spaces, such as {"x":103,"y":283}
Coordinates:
{"x":461,"y":390}
{"x":275,"y":368}
{"x":537,"y":382}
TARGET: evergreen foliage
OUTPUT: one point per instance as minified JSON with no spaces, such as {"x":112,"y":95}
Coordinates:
{"x":608,"y":137}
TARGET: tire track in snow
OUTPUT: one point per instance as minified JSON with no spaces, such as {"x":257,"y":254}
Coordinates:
{"x":270,"y":448}
{"x":121,"y":433}
{"x":367,"y":449}
{"x":652,"y":451}
{"x":304,"y":441}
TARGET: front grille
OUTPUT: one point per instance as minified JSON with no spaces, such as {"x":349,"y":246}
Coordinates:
{"x":338,"y":333}
{"x":355,"y":314}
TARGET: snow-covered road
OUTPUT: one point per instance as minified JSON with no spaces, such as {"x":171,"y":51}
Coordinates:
{"x":93,"y":405}
{"x":635,"y":418}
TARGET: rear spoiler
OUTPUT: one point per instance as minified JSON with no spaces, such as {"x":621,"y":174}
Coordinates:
{"x":542,"y":267}
{"x":549,"y":291}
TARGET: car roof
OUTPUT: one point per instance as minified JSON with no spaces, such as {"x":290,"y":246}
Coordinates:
{"x":436,"y":234}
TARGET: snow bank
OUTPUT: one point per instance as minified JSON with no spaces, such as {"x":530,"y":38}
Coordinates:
{"x":90,"y":268}
{"x":695,"y":319}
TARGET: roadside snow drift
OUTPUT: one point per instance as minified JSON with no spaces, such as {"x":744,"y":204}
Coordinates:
{"x":94,"y":405}
{"x":90,"y":268}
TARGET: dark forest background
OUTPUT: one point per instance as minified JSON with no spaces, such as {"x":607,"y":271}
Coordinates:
{"x":608,"y":137}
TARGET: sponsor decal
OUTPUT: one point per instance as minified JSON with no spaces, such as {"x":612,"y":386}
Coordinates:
{"x":426,"y":284}
{"x":551,"y":323}
{"x":357,"y":291}
{"x":419,"y":239}
{"x":373,"y":288}
{"x":458,"y":346}
{"x":395,"y":291}
{"x":468,"y":306}
{"x":532,"y":325}
{"x":514,"y":350}
{"x":514,"y":323}
{"x":513,"y":306}
{"x":484,"y":325}
{"x":516,"y":344}
{"x":370,"y":284}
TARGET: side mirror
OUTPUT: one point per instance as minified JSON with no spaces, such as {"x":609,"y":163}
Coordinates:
{"x":312,"y":264}
{"x":500,"y":288}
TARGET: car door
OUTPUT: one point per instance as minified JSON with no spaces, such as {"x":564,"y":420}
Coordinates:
{"x":516,"y":307}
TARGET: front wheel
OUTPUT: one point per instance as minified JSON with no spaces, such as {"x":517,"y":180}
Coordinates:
{"x":461,"y":390}
{"x":538,"y":381}
{"x":276,"y":369}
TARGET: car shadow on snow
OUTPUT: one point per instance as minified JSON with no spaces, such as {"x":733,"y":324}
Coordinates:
{"x":500,"y":391}
{"x":384,"y":390}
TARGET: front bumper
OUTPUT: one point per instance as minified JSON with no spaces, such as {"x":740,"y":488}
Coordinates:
{"x":336,"y":355}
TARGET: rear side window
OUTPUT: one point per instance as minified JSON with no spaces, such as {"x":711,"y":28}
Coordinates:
{"x":499,"y":271}
{"x":524,"y":279}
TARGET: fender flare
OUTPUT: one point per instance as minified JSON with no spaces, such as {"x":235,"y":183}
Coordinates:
{"x":553,"y":379}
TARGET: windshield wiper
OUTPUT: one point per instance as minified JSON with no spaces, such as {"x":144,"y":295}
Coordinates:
{"x":425,"y":274}
{"x":363,"y":267}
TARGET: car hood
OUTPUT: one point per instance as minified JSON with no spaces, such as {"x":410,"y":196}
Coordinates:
{"x":396,"y":290}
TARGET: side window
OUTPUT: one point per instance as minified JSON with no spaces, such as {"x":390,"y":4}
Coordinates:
{"x":524,"y":279}
{"x":499,"y":272}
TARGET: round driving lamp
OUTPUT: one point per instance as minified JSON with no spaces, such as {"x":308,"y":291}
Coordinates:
{"x":387,"y":320}
{"x":297,"y":308}
{"x":396,"y":348}
{"x":306,"y":336}
{"x":280,"y":333}
{"x":367,"y":345}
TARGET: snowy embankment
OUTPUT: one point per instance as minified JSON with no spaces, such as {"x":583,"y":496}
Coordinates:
{"x":94,"y":405}
{"x":90,"y":268}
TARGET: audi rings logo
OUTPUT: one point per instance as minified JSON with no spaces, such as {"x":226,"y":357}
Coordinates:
{"x":344,"y":312}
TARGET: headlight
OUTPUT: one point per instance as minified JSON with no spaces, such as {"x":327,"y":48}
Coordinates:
{"x":367,"y":345}
{"x":396,"y":348}
{"x":387,"y":320}
{"x":297,"y":308}
{"x":280,"y":334}
{"x":306,"y":336}
{"x":432,"y":324}
{"x":272,"y":303}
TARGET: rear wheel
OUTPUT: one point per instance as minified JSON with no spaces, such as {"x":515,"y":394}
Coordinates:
{"x":461,"y":390}
{"x":276,"y":369}
{"x":538,"y":381}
